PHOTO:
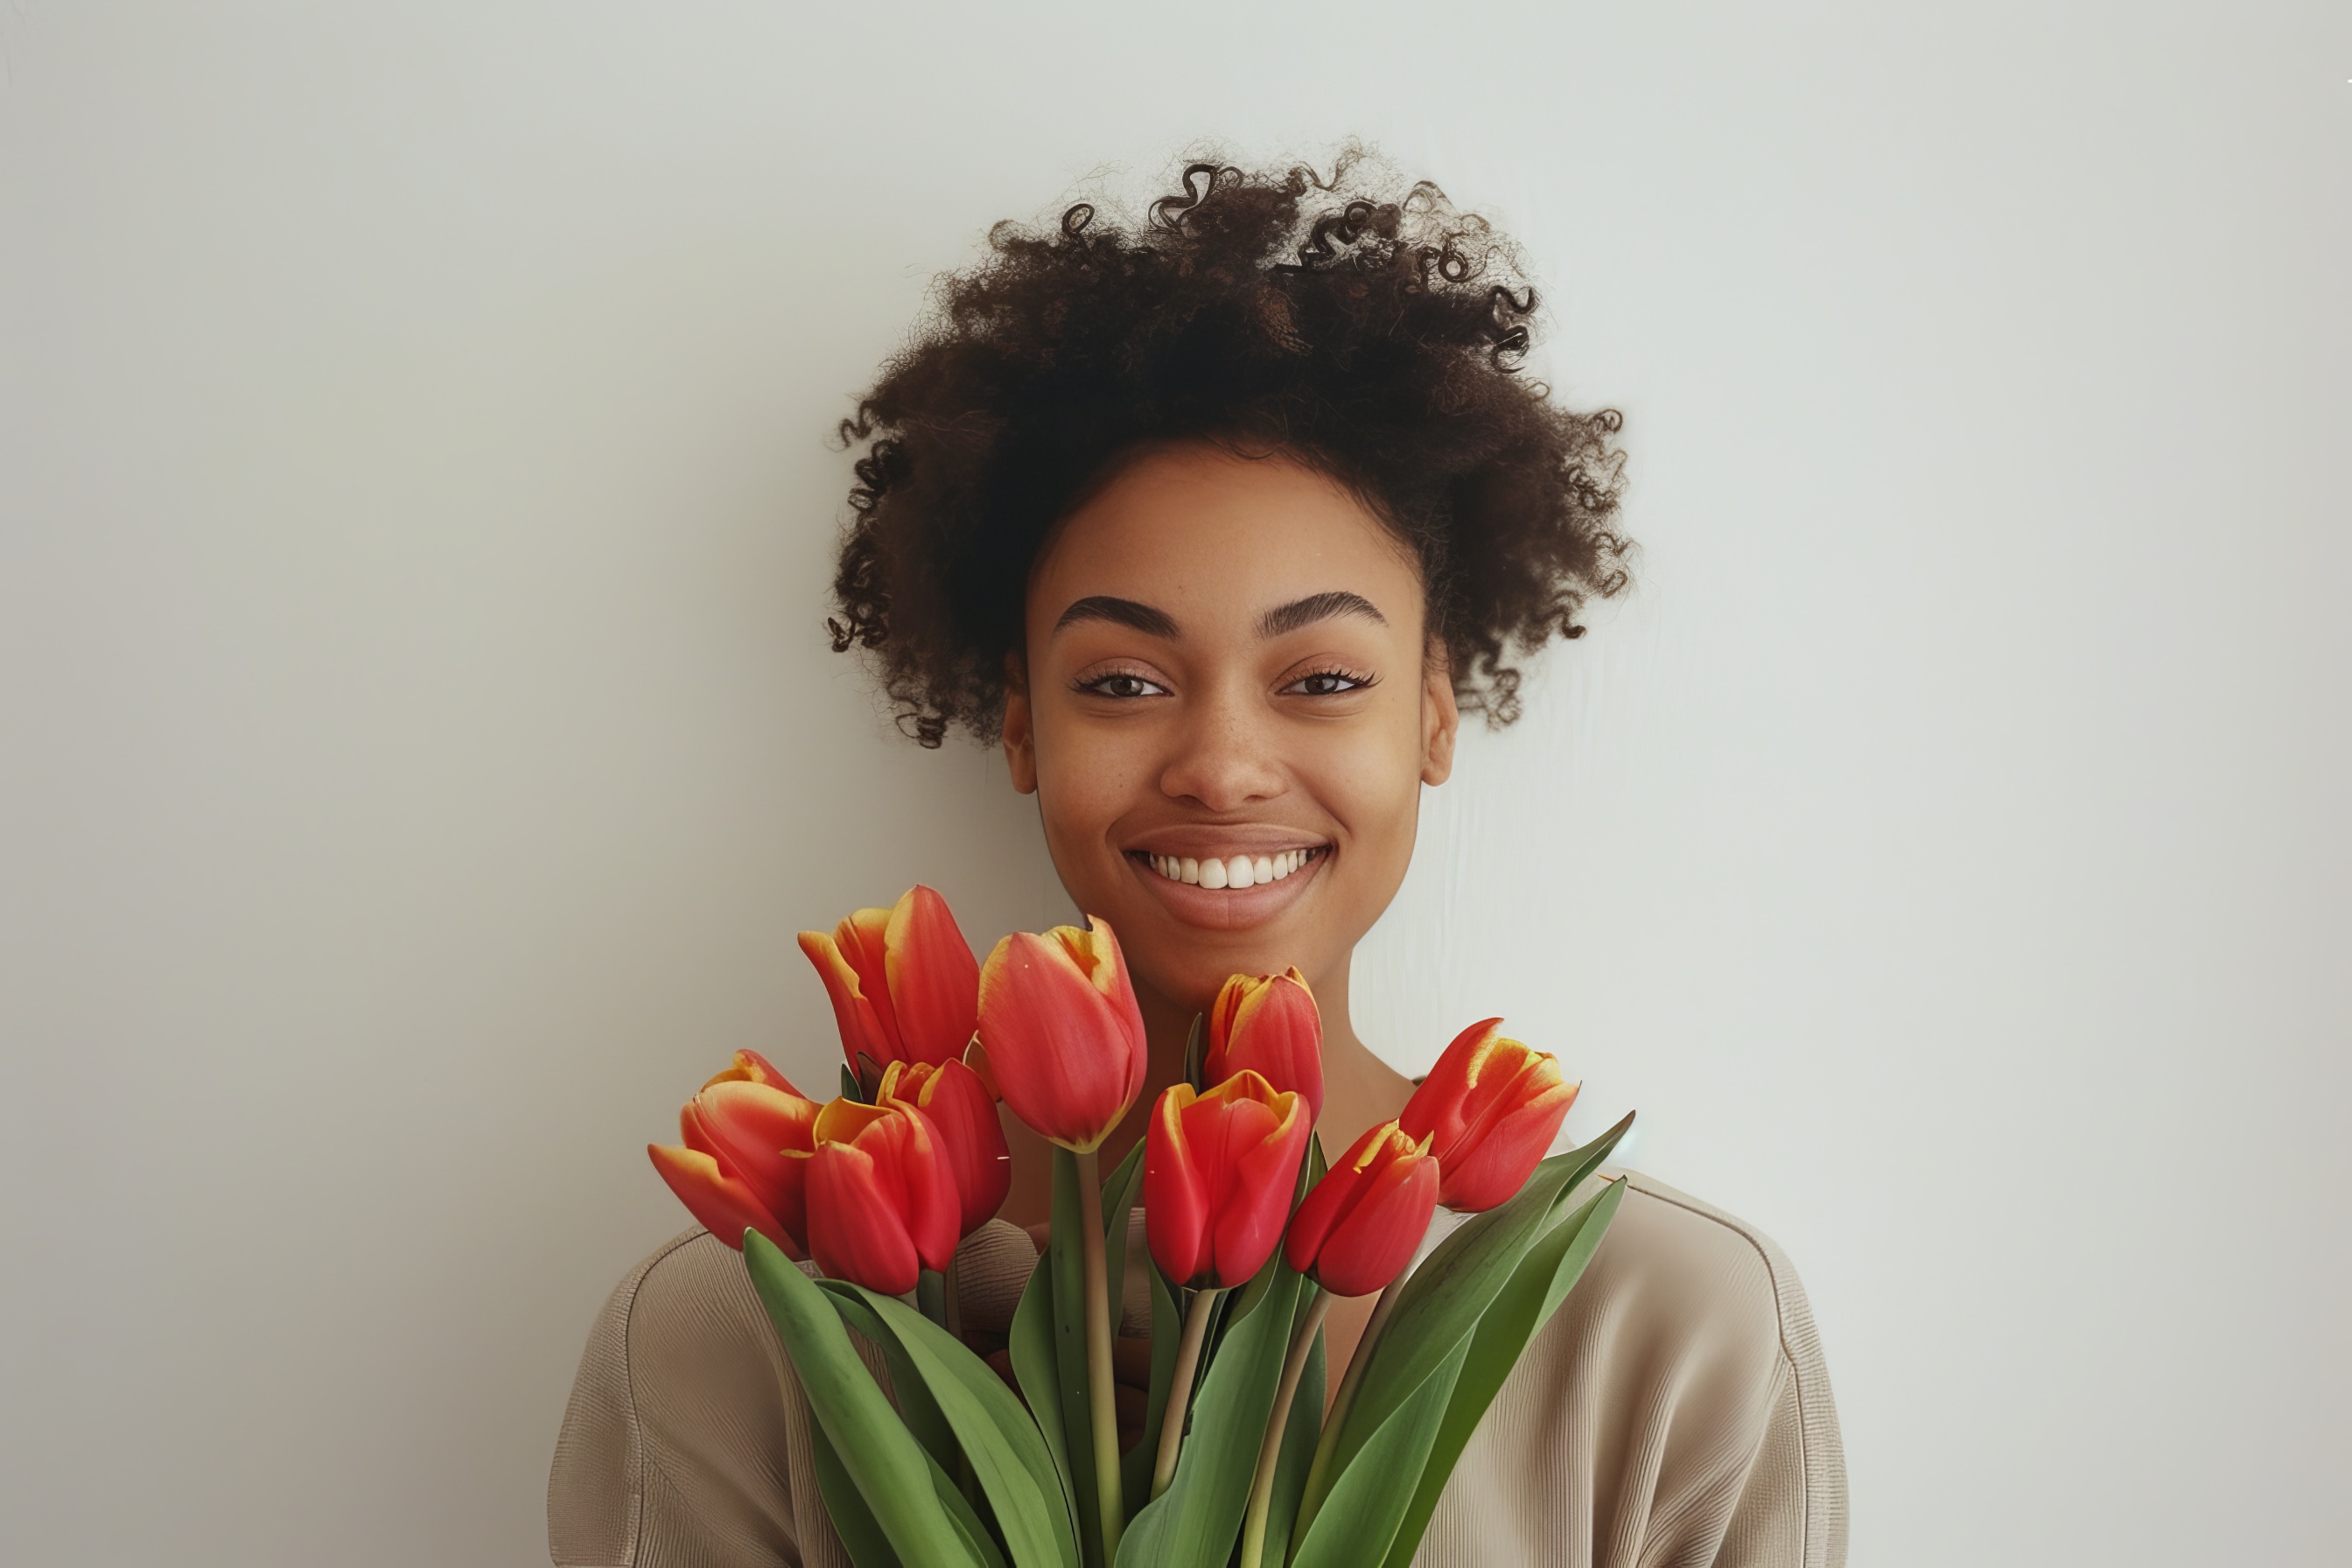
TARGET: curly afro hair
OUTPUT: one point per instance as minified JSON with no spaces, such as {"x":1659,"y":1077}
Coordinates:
{"x":1378,"y":340}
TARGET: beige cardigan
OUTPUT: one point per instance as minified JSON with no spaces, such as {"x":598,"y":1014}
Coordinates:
{"x":1675,"y":1413}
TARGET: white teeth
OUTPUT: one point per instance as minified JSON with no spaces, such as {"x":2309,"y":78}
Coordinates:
{"x":1238,"y":871}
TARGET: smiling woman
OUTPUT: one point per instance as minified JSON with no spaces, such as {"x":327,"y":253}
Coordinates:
{"x":1217,"y":523}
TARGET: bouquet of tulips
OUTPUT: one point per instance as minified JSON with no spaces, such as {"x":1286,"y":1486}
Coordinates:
{"x":1251,"y":1235}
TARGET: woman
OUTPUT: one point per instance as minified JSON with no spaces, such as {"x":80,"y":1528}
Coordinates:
{"x":1217,"y":523}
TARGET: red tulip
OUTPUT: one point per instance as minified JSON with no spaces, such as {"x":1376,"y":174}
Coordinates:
{"x":1061,"y":1037}
{"x":1269,"y":1024}
{"x":882,"y":1203}
{"x":1218,"y":1172}
{"x":1362,"y":1224}
{"x":963,"y":1115}
{"x":1490,"y":1108}
{"x":902,"y":980}
{"x":741,"y":1168}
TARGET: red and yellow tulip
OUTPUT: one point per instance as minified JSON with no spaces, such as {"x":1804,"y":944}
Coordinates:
{"x":742,"y":1166}
{"x":882,"y":1200}
{"x":903,"y":982}
{"x":1269,"y":1024}
{"x":1362,"y":1224}
{"x":962,"y":1116}
{"x":1060,"y":1032}
{"x":1218,"y":1173}
{"x":1490,"y":1109}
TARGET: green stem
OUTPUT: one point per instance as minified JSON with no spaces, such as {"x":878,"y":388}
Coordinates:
{"x":1180,"y":1387}
{"x":1269,"y":1454}
{"x":931,"y":1295}
{"x":1099,"y":1384}
{"x":1311,"y":1501}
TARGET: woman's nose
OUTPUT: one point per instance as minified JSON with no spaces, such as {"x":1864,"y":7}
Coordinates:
{"x":1225,"y":756}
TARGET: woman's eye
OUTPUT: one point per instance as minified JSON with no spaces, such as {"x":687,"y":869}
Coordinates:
{"x":1119,"y":683}
{"x":1326,"y":683}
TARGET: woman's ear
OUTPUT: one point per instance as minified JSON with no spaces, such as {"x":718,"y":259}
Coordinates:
{"x":1441,"y":717}
{"x":1020,"y":731}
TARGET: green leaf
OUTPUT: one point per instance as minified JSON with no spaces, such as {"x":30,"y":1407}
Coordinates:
{"x":1040,"y":1376}
{"x":850,"y":1089}
{"x":1537,"y":1287}
{"x":1196,"y":1054}
{"x":1120,"y":1192}
{"x":1002,"y":1443}
{"x":970,"y":1530}
{"x":1167,"y":1331}
{"x":1198,"y":1517}
{"x":1299,"y":1433}
{"x":1066,"y":1266}
{"x":880,"y":1457}
{"x":853,"y":1522}
{"x":1442,"y":1302}
{"x":916,"y":1406}
{"x":1368,"y":1500}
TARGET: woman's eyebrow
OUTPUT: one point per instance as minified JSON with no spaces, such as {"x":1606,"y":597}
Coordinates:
{"x":1316,"y":607}
{"x":1120,"y":612}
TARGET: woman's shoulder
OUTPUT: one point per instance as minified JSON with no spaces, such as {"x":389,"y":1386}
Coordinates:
{"x":1703,"y":1266}
{"x":1676,"y":1408}
{"x":676,"y":1421}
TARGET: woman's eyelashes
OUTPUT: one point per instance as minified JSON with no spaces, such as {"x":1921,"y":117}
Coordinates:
{"x":1327,"y":683}
{"x":1120,"y":684}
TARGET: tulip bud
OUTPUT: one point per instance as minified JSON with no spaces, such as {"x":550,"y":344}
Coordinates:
{"x":1061,"y":1032}
{"x":902,"y":981}
{"x":1490,"y":1108}
{"x":1362,"y":1224}
{"x":882,"y":1204}
{"x":1269,"y":1024}
{"x":962,"y":1116}
{"x":738,"y":1170}
{"x":1218,"y":1172}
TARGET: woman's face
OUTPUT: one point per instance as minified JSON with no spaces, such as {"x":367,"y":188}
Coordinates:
{"x":1227,"y":715}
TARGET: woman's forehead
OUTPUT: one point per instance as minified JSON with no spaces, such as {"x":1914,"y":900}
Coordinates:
{"x":1197,"y":530}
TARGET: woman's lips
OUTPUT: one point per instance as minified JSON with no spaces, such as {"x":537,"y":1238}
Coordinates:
{"x":1227,"y":892}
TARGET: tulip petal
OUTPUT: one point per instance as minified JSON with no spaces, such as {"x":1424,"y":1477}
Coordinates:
{"x":1363,"y":1221}
{"x":724,"y":1204}
{"x":856,"y":1230}
{"x":750,"y":1066}
{"x":1062,"y":1032}
{"x":931,"y":976}
{"x":1382,"y":1230}
{"x":755,"y":1129}
{"x":857,"y":1012}
{"x":1269,"y":1024}
{"x":1491,"y":1107}
{"x":1175,"y":1207}
{"x":962,"y":1118}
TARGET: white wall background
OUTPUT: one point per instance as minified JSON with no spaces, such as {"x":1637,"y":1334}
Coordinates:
{"x":417,"y":745}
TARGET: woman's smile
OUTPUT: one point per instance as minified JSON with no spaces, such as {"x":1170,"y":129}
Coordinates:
{"x":1225,"y":880}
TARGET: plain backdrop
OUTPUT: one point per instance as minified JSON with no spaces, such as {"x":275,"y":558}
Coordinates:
{"x":418,"y":744}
